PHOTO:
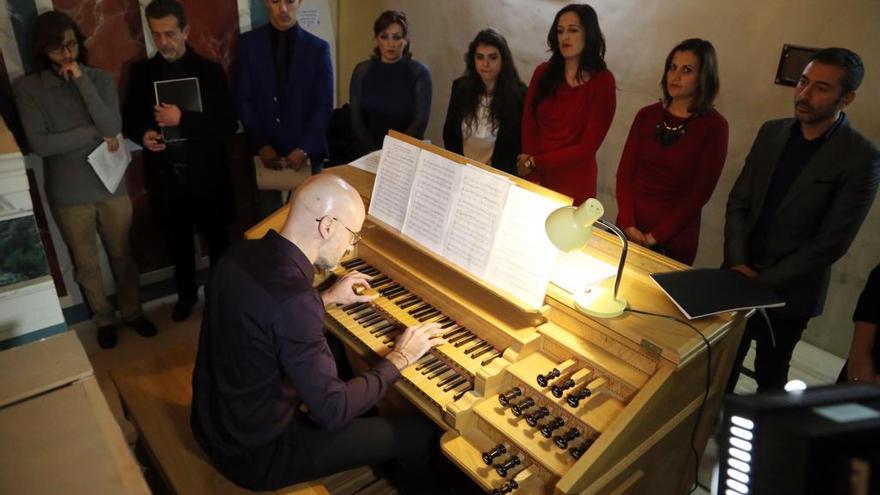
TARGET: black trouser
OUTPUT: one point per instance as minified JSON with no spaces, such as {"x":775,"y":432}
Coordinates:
{"x":771,"y":363}
{"x":307,"y":452}
{"x":179,"y":225}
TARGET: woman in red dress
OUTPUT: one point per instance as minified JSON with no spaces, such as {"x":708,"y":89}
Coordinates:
{"x":569,"y":107}
{"x":673,"y":156}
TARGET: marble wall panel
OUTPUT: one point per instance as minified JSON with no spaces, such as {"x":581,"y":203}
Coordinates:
{"x":21,"y":13}
{"x":213,"y":29}
{"x":114,"y":36}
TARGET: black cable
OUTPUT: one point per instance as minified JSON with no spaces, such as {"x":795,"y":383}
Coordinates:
{"x":697,"y":456}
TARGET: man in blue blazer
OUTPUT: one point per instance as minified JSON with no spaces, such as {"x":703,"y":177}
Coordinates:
{"x":805,"y":189}
{"x":284,"y":91}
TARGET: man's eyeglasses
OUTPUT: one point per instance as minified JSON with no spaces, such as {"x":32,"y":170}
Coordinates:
{"x":70,"y":46}
{"x":355,"y":237}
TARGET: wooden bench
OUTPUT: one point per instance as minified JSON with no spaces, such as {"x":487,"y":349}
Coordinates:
{"x":156,"y":394}
{"x":57,"y":434}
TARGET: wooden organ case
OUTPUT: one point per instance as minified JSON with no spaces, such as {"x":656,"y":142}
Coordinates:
{"x":550,"y":401}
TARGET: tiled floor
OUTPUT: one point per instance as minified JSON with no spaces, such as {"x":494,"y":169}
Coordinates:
{"x":132,"y":347}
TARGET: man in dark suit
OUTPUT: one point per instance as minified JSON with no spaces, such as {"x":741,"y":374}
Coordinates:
{"x":188,"y":181}
{"x":806,"y":187}
{"x":284,"y":90}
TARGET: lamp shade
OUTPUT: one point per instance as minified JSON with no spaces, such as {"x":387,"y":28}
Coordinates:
{"x":569,"y":228}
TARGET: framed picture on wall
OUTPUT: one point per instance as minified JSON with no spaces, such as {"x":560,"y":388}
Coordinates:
{"x":792,"y":62}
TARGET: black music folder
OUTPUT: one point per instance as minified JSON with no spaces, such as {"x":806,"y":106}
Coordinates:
{"x":181,"y":92}
{"x":707,"y":291}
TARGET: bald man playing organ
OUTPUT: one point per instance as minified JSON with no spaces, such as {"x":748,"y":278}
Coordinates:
{"x":268,"y":405}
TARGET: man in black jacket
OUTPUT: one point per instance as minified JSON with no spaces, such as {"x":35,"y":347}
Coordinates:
{"x":806,"y":187}
{"x":187,"y":180}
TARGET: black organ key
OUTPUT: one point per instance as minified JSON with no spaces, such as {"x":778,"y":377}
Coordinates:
{"x":532,"y":419}
{"x":461,"y":393}
{"x":464,"y":335}
{"x":544,"y":380}
{"x":478,"y":345}
{"x":523,"y":406}
{"x":503,"y":469}
{"x":562,"y":440}
{"x":455,"y":384}
{"x":505,"y":398}
{"x":448,"y":380}
{"x":454,"y":332}
{"x":465,"y":341}
{"x":429,"y":362}
{"x":433,"y":367}
{"x":443,"y":369}
{"x":481,"y":352}
{"x":419,"y":308}
{"x":578,"y":451}
{"x":407,"y":300}
{"x":559,"y":389}
{"x":508,"y":487}
{"x":352,"y":262}
{"x":498,"y":450}
{"x":491,"y":358}
{"x":354,"y":307}
{"x":554,"y":424}
{"x":410,"y":303}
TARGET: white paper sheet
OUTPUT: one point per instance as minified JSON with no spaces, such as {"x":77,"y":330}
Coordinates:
{"x":574,"y":272}
{"x":368,"y":162}
{"x":475,"y":219}
{"x":523,"y":257}
{"x":394,"y":179}
{"x":434,"y":191}
{"x":110,"y":166}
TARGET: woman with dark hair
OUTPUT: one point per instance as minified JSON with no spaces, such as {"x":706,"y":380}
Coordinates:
{"x":674,"y":155}
{"x":486,"y":104}
{"x":569,"y":107}
{"x":390,"y":90}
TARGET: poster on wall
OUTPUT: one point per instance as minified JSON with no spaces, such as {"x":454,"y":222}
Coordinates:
{"x":23,"y":258}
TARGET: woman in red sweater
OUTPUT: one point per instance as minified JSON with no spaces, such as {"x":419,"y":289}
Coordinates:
{"x":673,"y":156}
{"x":569,"y":107}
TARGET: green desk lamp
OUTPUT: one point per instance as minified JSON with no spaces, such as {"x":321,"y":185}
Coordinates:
{"x":569,"y":229}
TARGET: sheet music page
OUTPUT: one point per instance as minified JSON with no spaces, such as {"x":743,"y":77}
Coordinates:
{"x":391,"y":191}
{"x":523,"y":258}
{"x":110,"y":165}
{"x":434,"y":191}
{"x":475,"y":219}
{"x":369,"y":162}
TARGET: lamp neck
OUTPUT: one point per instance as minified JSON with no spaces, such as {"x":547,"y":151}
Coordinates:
{"x":619,"y":233}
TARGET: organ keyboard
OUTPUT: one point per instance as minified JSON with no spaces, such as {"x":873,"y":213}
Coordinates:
{"x":550,"y":401}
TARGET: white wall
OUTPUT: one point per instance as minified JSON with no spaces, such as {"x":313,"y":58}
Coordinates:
{"x":748,"y":36}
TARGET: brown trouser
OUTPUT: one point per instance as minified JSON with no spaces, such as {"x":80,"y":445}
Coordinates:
{"x":111,"y":219}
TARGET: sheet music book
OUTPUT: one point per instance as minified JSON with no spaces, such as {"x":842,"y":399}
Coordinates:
{"x":708,"y":291}
{"x":474,"y":218}
{"x":394,"y":180}
{"x":181,"y":92}
{"x":110,"y":165}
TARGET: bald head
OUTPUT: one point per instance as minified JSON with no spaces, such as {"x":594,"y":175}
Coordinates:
{"x":328,"y":195}
{"x":325,"y":213}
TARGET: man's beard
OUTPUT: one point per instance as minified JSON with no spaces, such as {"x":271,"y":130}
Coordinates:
{"x":324,"y":264}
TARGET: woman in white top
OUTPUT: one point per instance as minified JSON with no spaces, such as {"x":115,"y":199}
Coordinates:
{"x":486,"y":104}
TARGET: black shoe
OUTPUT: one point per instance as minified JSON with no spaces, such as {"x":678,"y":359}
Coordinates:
{"x":107,"y":336}
{"x":183,"y":309}
{"x":142,"y":326}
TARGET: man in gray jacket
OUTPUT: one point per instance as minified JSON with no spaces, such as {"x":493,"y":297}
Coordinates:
{"x":67,"y":110}
{"x":806,"y":187}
